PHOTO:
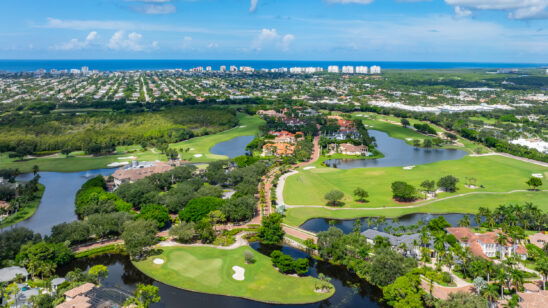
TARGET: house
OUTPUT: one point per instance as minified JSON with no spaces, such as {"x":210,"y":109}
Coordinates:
{"x":89,"y":295}
{"x":8,"y":274}
{"x":485,"y":245}
{"x":270,"y":113}
{"x":278,"y":149}
{"x":532,"y":296}
{"x":411,"y":242}
{"x":286,"y":137}
{"x":140,"y":170}
{"x":539,"y":239}
{"x":350,"y":149}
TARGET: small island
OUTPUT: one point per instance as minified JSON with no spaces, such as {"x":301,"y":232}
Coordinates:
{"x":18,"y":200}
{"x":218,"y":271}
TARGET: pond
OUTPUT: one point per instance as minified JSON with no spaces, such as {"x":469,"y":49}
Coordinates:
{"x":232,"y":148}
{"x":351,"y":291}
{"x":322,"y":224}
{"x":57,"y":204}
{"x":397,"y":153}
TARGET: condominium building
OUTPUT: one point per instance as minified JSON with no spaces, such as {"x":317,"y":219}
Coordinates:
{"x":223,"y":68}
{"x":348,"y":69}
{"x":333,"y":69}
{"x":361,"y":70}
{"x":375,"y":69}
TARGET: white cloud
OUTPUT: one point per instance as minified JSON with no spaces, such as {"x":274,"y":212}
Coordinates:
{"x":253,"y":5}
{"x":156,"y":9}
{"x":76,"y":44}
{"x":350,"y":1}
{"x":119,"y":41}
{"x":213,"y":45}
{"x":517,"y":9}
{"x":460,"y":12}
{"x":271,"y":38}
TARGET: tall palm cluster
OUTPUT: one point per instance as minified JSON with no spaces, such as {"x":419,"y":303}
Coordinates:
{"x":527,"y":216}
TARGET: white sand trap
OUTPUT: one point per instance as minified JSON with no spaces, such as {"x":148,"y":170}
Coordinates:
{"x":308,"y":168}
{"x":198,"y":155}
{"x":118,"y":164}
{"x":191,"y":149}
{"x":408,"y":139}
{"x":408,"y":167}
{"x":129,"y":157}
{"x":537,"y":175}
{"x":158,"y":261}
{"x":243,"y":126}
{"x":238,"y":273}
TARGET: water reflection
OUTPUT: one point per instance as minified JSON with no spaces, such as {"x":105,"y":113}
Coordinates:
{"x":232,"y":148}
{"x":322,"y":224}
{"x":57,"y":204}
{"x":397,"y":153}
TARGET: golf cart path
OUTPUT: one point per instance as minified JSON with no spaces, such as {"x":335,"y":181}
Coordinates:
{"x":239,"y":242}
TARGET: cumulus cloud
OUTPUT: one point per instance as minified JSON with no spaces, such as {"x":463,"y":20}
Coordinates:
{"x":253,"y":6}
{"x":156,"y":9}
{"x":213,"y":45}
{"x":350,"y":1}
{"x":119,"y":41}
{"x":271,"y":38}
{"x":76,"y":44}
{"x":517,"y":9}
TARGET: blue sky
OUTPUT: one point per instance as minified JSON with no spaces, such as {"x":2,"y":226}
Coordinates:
{"x":368,"y":30}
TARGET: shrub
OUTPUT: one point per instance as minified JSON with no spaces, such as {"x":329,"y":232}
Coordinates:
{"x":249,"y":257}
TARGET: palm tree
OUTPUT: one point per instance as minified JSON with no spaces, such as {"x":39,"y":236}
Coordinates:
{"x":35,"y":169}
{"x":501,"y":278}
{"x":381,"y":220}
{"x":516,"y":277}
{"x":491,"y":295}
{"x":542,"y":267}
{"x":489,"y":268}
{"x":465,"y":221}
{"x":439,"y":245}
{"x":502,"y":240}
{"x":369,"y":221}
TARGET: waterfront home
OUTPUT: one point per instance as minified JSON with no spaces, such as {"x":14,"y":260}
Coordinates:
{"x":278,"y":149}
{"x":350,"y":149}
{"x":89,"y":295}
{"x":532,"y":296}
{"x":8,"y":274}
{"x":140,"y":170}
{"x":407,"y":244}
{"x":485,"y":245}
{"x":539,"y":239}
{"x":286,"y":137}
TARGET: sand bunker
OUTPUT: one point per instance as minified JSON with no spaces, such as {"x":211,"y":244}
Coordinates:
{"x":198,"y":155}
{"x":308,"y":168}
{"x":238,"y":273}
{"x":158,"y":261}
{"x":117,"y":164}
{"x":408,"y":167}
{"x":537,"y":175}
{"x":243,"y":126}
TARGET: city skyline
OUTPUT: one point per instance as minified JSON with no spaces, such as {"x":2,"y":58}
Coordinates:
{"x":347,"y":30}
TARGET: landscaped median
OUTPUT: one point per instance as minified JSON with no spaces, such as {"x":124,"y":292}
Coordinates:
{"x":210,"y":270}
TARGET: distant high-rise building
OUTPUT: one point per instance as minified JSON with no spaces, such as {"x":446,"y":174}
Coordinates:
{"x":361,"y":70}
{"x":547,"y":71}
{"x":233,"y":68}
{"x":208,"y":68}
{"x":74,"y":71}
{"x":348,"y":69}
{"x":223,"y":68}
{"x":333,"y":69}
{"x":375,"y":69}
{"x":85,"y":69}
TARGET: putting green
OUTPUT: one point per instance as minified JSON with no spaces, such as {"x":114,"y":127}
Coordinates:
{"x":209,"y":270}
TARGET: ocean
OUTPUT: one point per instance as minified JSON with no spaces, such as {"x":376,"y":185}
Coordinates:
{"x":128,"y":65}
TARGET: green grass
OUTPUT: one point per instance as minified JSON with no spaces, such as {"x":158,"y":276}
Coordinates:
{"x":113,"y":248}
{"x":496,"y":173}
{"x":465,"y":204}
{"x":209,"y":270}
{"x":25,"y":212}
{"x":77,"y":161}
{"x":248,"y":126}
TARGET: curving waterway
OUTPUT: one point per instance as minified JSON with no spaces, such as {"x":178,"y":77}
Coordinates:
{"x":351,"y":291}
{"x":397,"y":153}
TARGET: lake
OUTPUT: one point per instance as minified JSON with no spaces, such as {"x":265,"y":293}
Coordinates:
{"x":351,"y":291}
{"x":322,"y":224}
{"x":232,"y":148}
{"x":57,"y":204}
{"x":397,"y":153}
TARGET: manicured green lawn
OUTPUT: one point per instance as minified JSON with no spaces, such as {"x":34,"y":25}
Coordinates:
{"x":209,"y":270}
{"x":466,"y":204}
{"x":199,"y":147}
{"x":75,"y":162}
{"x":26,"y":212}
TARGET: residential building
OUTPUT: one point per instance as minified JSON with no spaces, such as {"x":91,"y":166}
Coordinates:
{"x":233,"y":68}
{"x":375,"y":69}
{"x":409,"y":244}
{"x":285,"y":136}
{"x":348,"y":69}
{"x":333,"y":69}
{"x":223,"y":68}
{"x":140,"y":170}
{"x":8,"y":274}
{"x":539,"y":239}
{"x":361,"y":70}
{"x":278,"y":149}
{"x":89,"y":295}
{"x":350,"y":149}
{"x":532,"y":296}
{"x":485,"y":245}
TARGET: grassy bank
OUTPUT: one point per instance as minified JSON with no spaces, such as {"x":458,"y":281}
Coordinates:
{"x":26,"y":212}
{"x":466,"y":204}
{"x":209,"y":270}
{"x":200,"y":146}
